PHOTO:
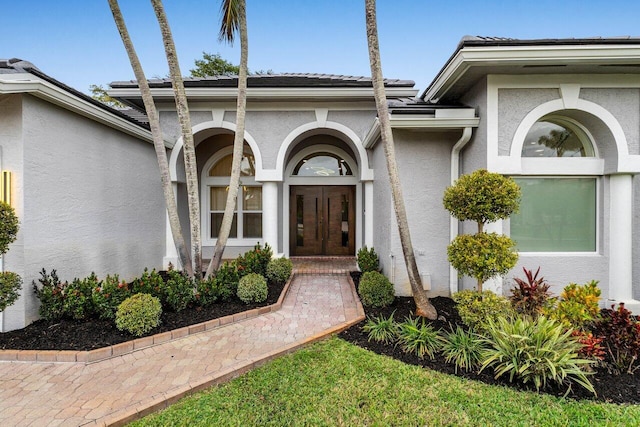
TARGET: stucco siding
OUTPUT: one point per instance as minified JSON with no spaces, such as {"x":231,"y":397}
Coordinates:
{"x":93,"y":200}
{"x":359,"y":121}
{"x":170,"y":125}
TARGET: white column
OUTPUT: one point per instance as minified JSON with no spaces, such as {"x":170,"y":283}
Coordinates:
{"x":368,"y":213}
{"x":270,"y":214}
{"x":620,"y":241}
{"x":171,"y":254}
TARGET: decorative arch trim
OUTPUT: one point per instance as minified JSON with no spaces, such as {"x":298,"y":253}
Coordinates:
{"x":177,"y":149}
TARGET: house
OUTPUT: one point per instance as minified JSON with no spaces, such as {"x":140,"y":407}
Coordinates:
{"x":560,"y":116}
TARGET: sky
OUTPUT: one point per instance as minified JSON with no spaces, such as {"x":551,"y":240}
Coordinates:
{"x":76,"y":41}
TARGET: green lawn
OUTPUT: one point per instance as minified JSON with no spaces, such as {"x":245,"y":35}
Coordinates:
{"x":336,"y":383}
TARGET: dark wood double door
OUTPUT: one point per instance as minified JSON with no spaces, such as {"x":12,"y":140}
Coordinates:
{"x":322,"y":220}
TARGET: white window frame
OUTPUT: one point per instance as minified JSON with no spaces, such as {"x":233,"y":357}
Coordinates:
{"x":206,"y":182}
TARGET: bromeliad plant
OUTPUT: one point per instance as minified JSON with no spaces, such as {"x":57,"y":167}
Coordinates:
{"x":530,"y":296}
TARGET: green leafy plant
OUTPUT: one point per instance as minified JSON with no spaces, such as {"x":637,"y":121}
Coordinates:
{"x":482,"y":197}
{"x":482,"y":255}
{"x":381,"y":329}
{"x":10,"y":285}
{"x":51,"y":295}
{"x":207,"y":291}
{"x":138,"y":314}
{"x":537,"y":351}
{"x":279,"y":270}
{"x":578,"y":306}
{"x":150,"y":283}
{"x":530,"y":297}
{"x":477,"y":309}
{"x":179,"y":290}
{"x":227,"y":278}
{"x":368,"y":260}
{"x":77,"y":302}
{"x":417,"y":337}
{"x":252,"y":288}
{"x":108,"y":295}
{"x":255,"y":260}
{"x":375,"y":290}
{"x":9,"y":226}
{"x":619,"y":331}
{"x":463,"y":348}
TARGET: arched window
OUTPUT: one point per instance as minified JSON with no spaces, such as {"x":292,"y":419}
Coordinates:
{"x":558,"y":213}
{"x":322,"y":164}
{"x":557,"y":137}
{"x":247,"y":218}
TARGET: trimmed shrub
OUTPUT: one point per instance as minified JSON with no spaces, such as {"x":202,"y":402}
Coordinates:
{"x":477,"y":309}
{"x":138,"y":314}
{"x":108,"y":295}
{"x":579,"y":305}
{"x":77,"y":302}
{"x":530,"y":297}
{"x":463,"y":348}
{"x":207,"y":291}
{"x":252,"y":288}
{"x":9,"y":226}
{"x":150,"y":283}
{"x":381,"y":329}
{"x":10,"y":285}
{"x":375,"y":290}
{"x":279,"y":270}
{"x":368,"y":260}
{"x":179,"y":290}
{"x":227,"y":278}
{"x":255,"y":260}
{"x":51,"y":295}
{"x":419,"y":338}
{"x":537,"y":351}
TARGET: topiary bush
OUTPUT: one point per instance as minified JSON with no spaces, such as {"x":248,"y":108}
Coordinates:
{"x":537,"y":351}
{"x":138,"y":314}
{"x":375,"y":290}
{"x":368,"y":260}
{"x":179,"y":290}
{"x":227,"y":278}
{"x":108,"y":295}
{"x":9,"y":226}
{"x":10,"y":285}
{"x":478,"y":309}
{"x":279,"y":270}
{"x":252,"y":288}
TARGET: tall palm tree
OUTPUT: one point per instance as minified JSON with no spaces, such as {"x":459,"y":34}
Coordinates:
{"x":234,"y":20}
{"x":189,"y":150}
{"x":423,"y":305}
{"x":158,"y":141}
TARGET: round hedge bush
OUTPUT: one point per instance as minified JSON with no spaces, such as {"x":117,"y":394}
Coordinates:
{"x":10,"y":285}
{"x":279,"y":270}
{"x":9,"y":226}
{"x":375,"y":290}
{"x":252,"y":288}
{"x":138,"y":314}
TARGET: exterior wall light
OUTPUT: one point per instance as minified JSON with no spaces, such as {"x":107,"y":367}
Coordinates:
{"x":5,"y":187}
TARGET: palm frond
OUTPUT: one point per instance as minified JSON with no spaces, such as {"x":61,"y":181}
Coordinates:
{"x":230,"y":20}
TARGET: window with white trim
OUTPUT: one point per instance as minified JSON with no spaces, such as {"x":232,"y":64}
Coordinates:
{"x":247,"y":218}
{"x":557,"y":137}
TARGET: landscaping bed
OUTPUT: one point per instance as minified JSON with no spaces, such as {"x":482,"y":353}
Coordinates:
{"x":91,"y":334}
{"x":623,"y":388}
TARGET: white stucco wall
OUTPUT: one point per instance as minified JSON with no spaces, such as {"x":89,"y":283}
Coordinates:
{"x":92,"y":202}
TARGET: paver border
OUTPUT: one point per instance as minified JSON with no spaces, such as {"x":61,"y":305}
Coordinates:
{"x":163,"y":400}
{"x":116,"y":350}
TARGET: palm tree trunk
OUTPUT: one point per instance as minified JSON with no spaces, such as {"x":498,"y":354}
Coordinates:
{"x":158,"y":141}
{"x":240,"y":22}
{"x":191,"y":170}
{"x":423,"y":305}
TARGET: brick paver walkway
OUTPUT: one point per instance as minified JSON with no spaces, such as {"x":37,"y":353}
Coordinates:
{"x":123,"y":388}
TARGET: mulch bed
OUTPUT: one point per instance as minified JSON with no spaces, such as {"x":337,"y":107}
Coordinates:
{"x":610,"y":388}
{"x":93,"y":334}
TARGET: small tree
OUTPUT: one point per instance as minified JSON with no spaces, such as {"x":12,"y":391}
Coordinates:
{"x":483,"y":197}
{"x":10,"y":283}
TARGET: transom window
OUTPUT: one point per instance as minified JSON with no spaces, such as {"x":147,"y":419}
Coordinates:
{"x":247,"y":217}
{"x":556,"y":137}
{"x":322,"y":164}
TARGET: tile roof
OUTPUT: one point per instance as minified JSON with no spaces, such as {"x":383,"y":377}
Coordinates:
{"x":272,"y":80}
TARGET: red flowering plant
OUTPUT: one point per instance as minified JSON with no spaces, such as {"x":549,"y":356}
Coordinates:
{"x":108,"y":295}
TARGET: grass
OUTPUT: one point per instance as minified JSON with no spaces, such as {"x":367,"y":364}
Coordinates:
{"x":335,"y":383}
